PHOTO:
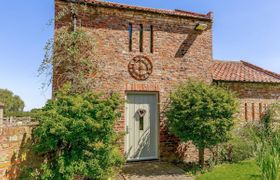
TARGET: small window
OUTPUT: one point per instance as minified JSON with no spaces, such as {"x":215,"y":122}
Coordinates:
{"x":152,"y":39}
{"x":260,"y":110}
{"x":130,"y":36}
{"x":141,"y":38}
{"x":74,"y":18}
{"x":253,"y":111}
{"x":246,"y":111}
{"x":141,"y":123}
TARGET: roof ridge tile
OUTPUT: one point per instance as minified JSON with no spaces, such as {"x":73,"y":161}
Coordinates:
{"x":208,"y":16}
{"x":273,"y":74}
{"x":242,"y":71}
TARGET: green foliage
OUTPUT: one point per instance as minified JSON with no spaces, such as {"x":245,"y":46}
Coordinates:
{"x":267,"y":149}
{"x":76,"y":137}
{"x":201,"y":113}
{"x":13,"y":103}
{"x":267,"y":143}
{"x":271,"y":118}
{"x":244,"y":170}
{"x":31,"y":113}
{"x":71,"y":55}
{"x":240,"y":147}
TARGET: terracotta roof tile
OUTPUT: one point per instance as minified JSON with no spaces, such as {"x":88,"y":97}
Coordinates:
{"x":181,"y":13}
{"x":242,"y":71}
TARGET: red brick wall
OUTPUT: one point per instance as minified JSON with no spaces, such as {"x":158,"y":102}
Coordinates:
{"x":254,"y":97}
{"x":180,"y":53}
{"x":12,"y":139}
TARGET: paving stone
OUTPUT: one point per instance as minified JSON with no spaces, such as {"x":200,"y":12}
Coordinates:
{"x":154,"y":171}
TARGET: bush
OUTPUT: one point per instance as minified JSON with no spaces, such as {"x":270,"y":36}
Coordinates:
{"x":201,"y":113}
{"x":240,"y":147}
{"x":271,"y":118}
{"x":268,"y":157}
{"x":76,"y":137}
{"x":267,"y":143}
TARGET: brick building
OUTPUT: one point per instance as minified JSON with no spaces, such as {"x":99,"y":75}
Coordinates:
{"x":145,"y":54}
{"x":255,"y":86}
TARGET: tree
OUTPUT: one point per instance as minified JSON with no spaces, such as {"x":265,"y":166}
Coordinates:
{"x":201,"y":113}
{"x":13,"y":103}
{"x":76,"y":137}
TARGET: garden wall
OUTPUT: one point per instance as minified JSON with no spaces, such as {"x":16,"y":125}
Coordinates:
{"x":254,"y":97}
{"x":13,"y":137}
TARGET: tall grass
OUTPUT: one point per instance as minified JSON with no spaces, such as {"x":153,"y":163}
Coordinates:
{"x":266,"y":137}
{"x":267,"y":157}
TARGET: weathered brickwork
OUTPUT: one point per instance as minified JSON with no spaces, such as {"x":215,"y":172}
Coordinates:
{"x":254,"y":97}
{"x":180,"y":53}
{"x":12,"y":139}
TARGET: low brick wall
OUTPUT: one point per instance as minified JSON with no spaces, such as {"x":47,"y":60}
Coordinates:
{"x":12,"y":140}
{"x":254,"y":97}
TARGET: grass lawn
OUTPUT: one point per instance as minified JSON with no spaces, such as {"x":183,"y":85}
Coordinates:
{"x":245,"y":170}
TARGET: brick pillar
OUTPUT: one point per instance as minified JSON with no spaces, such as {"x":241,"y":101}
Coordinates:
{"x":1,"y":113}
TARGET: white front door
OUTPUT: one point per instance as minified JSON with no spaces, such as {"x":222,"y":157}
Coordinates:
{"x":141,"y":127}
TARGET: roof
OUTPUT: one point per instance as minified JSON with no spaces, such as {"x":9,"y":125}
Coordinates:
{"x":242,"y":71}
{"x":1,"y":104}
{"x":181,"y":13}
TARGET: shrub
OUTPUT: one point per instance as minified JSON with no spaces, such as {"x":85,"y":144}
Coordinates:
{"x":240,"y":147}
{"x":271,"y":118}
{"x":201,"y":113}
{"x":267,"y":143}
{"x":268,"y":154}
{"x":76,"y":137}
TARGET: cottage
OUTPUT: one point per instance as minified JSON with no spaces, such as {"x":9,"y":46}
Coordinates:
{"x":255,"y":86}
{"x":146,"y":53}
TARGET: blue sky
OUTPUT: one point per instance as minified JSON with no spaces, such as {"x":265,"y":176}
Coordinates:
{"x":243,"y":30}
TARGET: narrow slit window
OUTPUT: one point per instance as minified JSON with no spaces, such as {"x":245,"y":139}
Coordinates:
{"x":246,"y":112}
{"x":74,"y":18}
{"x":130,"y":36}
{"x":260,"y":110}
{"x":141,"y":124}
{"x":253,"y":111}
{"x":152,"y":39}
{"x":141,"y":38}
{"x":265,"y":107}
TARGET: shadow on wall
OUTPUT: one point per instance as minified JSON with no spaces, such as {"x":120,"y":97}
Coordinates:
{"x":186,"y":44}
{"x":23,"y":161}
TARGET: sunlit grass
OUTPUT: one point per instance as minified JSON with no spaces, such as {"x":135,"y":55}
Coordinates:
{"x":245,"y":170}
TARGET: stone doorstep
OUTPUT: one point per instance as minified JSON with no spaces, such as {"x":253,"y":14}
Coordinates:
{"x":152,"y":170}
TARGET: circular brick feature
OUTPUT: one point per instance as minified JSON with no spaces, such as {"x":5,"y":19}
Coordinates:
{"x":140,"y":68}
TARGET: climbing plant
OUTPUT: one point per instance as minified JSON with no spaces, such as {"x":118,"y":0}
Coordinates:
{"x":69,"y":56}
{"x":75,"y":136}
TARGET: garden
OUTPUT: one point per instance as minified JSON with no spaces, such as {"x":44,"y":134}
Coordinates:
{"x":206,"y":115}
{"x":76,"y":139}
